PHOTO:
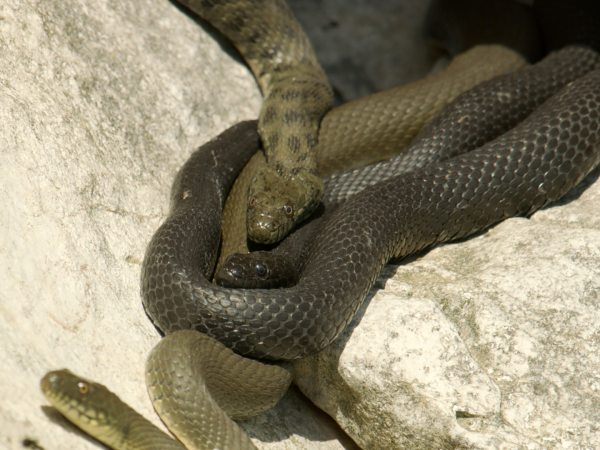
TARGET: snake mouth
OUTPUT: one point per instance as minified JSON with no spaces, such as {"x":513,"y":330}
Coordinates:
{"x":46,"y":385}
{"x":229,"y":277}
{"x":265,"y":230}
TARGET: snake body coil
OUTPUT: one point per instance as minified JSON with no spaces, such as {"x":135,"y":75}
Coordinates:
{"x":474,"y":118}
{"x":535,"y":163}
{"x":375,"y":128}
{"x":521,"y":171}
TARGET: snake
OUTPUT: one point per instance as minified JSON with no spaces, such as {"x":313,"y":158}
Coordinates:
{"x":240,"y":388}
{"x":349,"y":139}
{"x":296,"y":95}
{"x":533,"y":164}
{"x":471,"y":125}
{"x":286,"y":190}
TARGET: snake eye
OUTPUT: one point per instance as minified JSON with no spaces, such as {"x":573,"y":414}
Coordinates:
{"x":83,"y":387}
{"x":261,"y":270}
{"x":252,"y":202}
{"x":288,"y":210}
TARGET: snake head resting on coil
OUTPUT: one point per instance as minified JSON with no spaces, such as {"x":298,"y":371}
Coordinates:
{"x":257,"y":270}
{"x":279,"y":198}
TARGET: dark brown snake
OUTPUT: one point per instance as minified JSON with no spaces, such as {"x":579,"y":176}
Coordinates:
{"x":375,"y":128}
{"x":477,"y":116}
{"x":531,"y":165}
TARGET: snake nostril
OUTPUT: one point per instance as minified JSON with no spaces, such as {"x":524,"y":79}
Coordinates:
{"x":261,"y":231}
{"x":265,"y":224}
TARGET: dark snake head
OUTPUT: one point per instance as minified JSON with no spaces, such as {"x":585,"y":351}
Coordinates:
{"x":257,"y":270}
{"x":278,"y":199}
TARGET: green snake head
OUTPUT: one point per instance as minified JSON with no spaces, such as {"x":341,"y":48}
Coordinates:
{"x":88,"y":405}
{"x":279,"y":198}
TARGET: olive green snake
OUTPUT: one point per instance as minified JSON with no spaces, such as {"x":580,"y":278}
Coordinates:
{"x":296,"y":95}
{"x":241,"y":388}
{"x":73,"y":401}
{"x":288,"y":188}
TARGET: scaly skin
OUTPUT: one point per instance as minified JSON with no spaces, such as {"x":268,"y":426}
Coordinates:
{"x":103,"y":415}
{"x":374,"y":128}
{"x":455,"y":131}
{"x":531,"y":165}
{"x":195,"y":383}
{"x":296,"y":97}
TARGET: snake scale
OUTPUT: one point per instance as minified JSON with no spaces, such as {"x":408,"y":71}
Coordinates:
{"x":515,"y":174}
{"x":347,"y":140}
{"x":480,"y":118}
{"x":296,"y":95}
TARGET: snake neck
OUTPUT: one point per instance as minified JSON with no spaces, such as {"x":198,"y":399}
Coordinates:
{"x":289,"y":119}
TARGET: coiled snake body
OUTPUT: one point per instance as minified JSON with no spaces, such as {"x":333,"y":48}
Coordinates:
{"x":533,"y":164}
{"x":516,"y":174}
{"x":375,"y":128}
{"x":476,"y":117}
